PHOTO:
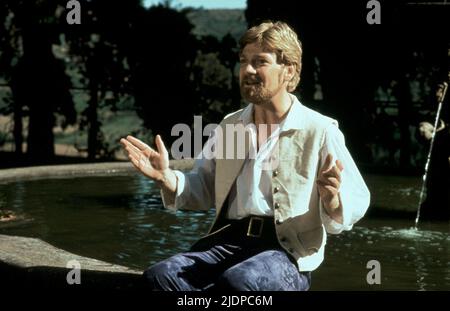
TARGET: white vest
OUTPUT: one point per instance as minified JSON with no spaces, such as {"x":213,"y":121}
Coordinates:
{"x":297,"y":219}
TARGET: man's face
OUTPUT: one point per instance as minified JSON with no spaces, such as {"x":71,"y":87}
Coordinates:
{"x":260,"y":77}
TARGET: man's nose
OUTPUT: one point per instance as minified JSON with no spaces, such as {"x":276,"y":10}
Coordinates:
{"x":249,"y":69}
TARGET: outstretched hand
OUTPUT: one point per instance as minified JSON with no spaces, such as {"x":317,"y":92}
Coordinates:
{"x":329,"y":182}
{"x":153,"y":164}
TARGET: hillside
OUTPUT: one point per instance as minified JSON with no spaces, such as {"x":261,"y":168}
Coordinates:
{"x":218,"y":22}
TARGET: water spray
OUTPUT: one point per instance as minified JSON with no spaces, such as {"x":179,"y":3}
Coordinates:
{"x":441,"y":96}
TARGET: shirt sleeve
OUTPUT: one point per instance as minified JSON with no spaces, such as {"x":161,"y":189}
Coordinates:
{"x":354,"y":194}
{"x":195,"y":189}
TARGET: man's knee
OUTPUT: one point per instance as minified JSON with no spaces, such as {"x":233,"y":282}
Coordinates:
{"x":163,"y":275}
{"x":156,"y":270}
{"x":268,"y":271}
{"x":238,"y":280}
{"x":234,"y":280}
{"x":156,"y":275}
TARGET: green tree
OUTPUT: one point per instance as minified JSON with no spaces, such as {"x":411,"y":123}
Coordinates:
{"x":36,"y":77}
{"x":161,"y":54}
{"x":99,"y":50}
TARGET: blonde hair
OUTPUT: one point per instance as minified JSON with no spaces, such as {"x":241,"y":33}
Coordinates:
{"x":278,"y":38}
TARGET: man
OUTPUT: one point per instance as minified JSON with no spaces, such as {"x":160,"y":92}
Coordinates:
{"x":273,"y":204}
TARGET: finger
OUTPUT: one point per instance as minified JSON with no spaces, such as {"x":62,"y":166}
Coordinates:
{"x":141,"y":147}
{"x":137,"y":143}
{"x":127,"y":145}
{"x":339,"y":165}
{"x":134,"y":160}
{"x":328,"y":163}
{"x":333,"y":172}
{"x":136,"y":149}
{"x":330,"y":189}
{"x":138,"y":160}
{"x":136,"y":163}
{"x":330,"y":181}
{"x":133,"y":152}
{"x":160,"y":145}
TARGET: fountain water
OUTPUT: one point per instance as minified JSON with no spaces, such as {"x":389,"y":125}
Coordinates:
{"x":441,"y":95}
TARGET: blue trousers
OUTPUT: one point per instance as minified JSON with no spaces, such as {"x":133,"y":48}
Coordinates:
{"x":244,"y":266}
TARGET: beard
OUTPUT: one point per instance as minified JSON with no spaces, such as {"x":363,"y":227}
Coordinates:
{"x":253,"y":91}
{"x":256,"y":94}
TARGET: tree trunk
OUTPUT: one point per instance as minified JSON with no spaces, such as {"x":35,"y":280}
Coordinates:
{"x":17,"y":131}
{"x":94,"y":126}
{"x":40,"y":134}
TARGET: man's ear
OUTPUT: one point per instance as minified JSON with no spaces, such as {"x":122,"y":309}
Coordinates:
{"x":289,"y":72}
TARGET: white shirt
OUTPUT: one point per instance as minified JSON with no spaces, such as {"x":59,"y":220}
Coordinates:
{"x":252,"y":194}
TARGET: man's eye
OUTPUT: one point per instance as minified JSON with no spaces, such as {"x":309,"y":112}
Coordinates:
{"x":261,"y":61}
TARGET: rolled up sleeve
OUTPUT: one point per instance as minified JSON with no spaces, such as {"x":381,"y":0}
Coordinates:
{"x":354,"y":194}
{"x":195,"y":189}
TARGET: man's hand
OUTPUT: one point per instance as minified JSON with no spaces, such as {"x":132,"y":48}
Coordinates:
{"x":328,"y":183}
{"x":151,"y":163}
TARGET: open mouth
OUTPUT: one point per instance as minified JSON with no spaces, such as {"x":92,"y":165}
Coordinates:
{"x":251,"y":83}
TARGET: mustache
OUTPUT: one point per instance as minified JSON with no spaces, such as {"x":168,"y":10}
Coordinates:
{"x":251,"y":80}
